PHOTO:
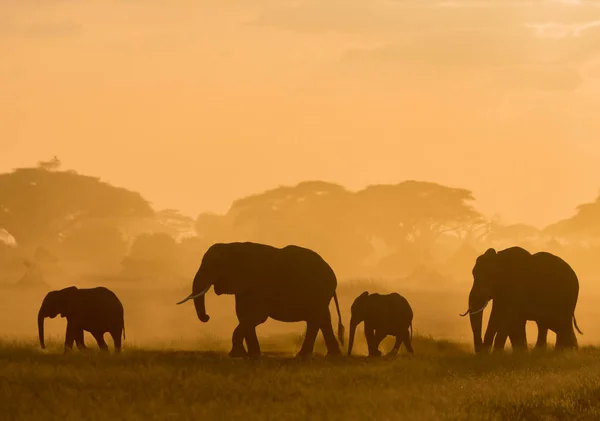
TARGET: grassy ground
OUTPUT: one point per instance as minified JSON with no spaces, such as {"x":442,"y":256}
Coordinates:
{"x":442,"y":381}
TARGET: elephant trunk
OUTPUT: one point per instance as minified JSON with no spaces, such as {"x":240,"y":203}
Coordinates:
{"x":200,"y":305}
{"x":353,"y":324}
{"x":476,"y":322}
{"x":200,"y":287}
{"x":41,"y":329}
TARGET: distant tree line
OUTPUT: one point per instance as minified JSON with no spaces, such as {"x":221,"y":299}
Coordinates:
{"x":62,"y":223}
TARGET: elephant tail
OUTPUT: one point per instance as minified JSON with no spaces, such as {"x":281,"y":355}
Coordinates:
{"x":410,"y":330}
{"x":340,"y":325}
{"x":576,"y":327}
{"x":123,"y":321}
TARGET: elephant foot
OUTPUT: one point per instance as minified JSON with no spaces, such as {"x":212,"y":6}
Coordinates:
{"x":303,"y":355}
{"x":334,"y":352}
{"x":393,"y":353}
{"x":237,"y":353}
{"x":375,"y":354}
{"x":254,"y":355}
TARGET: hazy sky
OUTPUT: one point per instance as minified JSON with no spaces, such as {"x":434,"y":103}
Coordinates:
{"x":196,"y":103}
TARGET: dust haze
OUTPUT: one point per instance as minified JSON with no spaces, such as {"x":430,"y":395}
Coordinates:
{"x":421,"y":239}
{"x":399,"y":140}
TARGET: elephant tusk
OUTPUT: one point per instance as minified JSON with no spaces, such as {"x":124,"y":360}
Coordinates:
{"x":192,"y":296}
{"x":482,"y":308}
{"x":475,"y":312}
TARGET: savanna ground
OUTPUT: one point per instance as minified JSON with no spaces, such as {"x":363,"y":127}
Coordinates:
{"x":175,"y":368}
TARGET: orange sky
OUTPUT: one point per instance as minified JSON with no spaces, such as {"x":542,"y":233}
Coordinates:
{"x":196,"y":103}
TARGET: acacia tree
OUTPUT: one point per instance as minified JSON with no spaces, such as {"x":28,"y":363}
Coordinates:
{"x":313,"y":214}
{"x":152,"y":256}
{"x":584,"y":225}
{"x":96,"y":244}
{"x":345,"y":226}
{"x":577,"y":239}
{"x":38,"y":205}
{"x":411,"y":216}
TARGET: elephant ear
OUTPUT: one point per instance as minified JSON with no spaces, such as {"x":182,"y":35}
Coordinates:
{"x":67,"y":298}
{"x":359,"y":301}
{"x":234,"y":268}
{"x":486,"y":267}
{"x":484,"y":261}
{"x":491,"y":252}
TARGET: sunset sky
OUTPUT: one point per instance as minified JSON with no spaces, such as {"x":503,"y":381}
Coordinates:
{"x":197,"y":103}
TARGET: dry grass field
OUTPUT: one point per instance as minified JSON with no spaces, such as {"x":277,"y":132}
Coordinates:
{"x":443,"y":381}
{"x":175,"y":368}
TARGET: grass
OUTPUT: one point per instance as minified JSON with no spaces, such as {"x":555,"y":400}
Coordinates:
{"x":442,"y":381}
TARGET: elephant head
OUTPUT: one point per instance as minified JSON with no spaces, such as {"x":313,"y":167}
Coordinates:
{"x":56,"y":302}
{"x":494,"y":276}
{"x":359,"y":310}
{"x":224,"y":266}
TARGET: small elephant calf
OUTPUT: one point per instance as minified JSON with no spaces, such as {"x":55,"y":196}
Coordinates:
{"x":383,"y":315}
{"x":96,"y":310}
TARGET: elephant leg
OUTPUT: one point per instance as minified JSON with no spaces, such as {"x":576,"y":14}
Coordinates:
{"x":402,"y":337}
{"x":565,"y":337}
{"x":408,"y":342}
{"x":542,"y":339}
{"x":312,"y":329}
{"x":251,"y":312}
{"x":333,"y":348}
{"x":116,"y":336}
{"x":376,"y":341}
{"x":79,"y":340}
{"x":379,"y":336}
{"x":99,"y":336}
{"x":237,"y":343}
{"x":500,"y":341}
{"x":491,"y":331}
{"x":518,"y":337}
{"x":370,"y":337}
{"x":252,"y":341}
{"x":70,"y":336}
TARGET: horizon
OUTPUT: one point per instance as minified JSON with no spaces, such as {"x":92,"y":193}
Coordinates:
{"x":222,"y":208}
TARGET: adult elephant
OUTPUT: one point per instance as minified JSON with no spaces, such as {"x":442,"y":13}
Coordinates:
{"x":540,"y":287}
{"x":289,"y":284}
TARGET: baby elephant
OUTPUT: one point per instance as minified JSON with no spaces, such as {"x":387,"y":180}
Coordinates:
{"x":96,"y":310}
{"x":383,"y":315}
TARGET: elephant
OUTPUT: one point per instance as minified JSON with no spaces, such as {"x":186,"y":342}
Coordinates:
{"x":288,"y":284}
{"x":95,"y":310}
{"x":540,"y":287}
{"x":383,"y":315}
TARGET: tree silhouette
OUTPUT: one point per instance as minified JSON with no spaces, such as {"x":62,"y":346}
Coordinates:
{"x":411,"y":216}
{"x":96,"y":242}
{"x":584,"y":225}
{"x":342,"y":225}
{"x":152,"y":256}
{"x":37,"y":205}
